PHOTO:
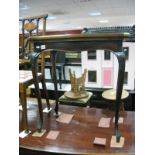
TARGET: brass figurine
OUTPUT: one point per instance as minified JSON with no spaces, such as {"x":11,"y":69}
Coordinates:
{"x":77,"y":86}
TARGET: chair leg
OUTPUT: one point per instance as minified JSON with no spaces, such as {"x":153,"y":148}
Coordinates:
{"x":51,"y":74}
{"x":24,"y":112}
{"x":60,"y":80}
{"x":40,"y":125}
{"x":46,"y":93}
{"x":37,"y":90}
{"x":63,"y":68}
{"x":53,"y":60}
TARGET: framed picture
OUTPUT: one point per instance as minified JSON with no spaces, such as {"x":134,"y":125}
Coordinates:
{"x":107,"y":55}
{"x":107,"y":76}
{"x":92,"y":76}
{"x":73,"y":57}
{"x":92,"y":55}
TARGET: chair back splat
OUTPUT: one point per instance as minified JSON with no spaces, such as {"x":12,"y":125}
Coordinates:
{"x":32,"y":26}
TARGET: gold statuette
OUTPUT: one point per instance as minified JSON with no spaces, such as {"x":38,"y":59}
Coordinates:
{"x":77,"y":86}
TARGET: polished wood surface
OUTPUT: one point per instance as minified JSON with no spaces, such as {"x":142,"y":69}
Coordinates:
{"x":81,"y":42}
{"x":77,"y":137}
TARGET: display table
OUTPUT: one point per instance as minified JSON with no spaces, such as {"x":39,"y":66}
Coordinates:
{"x":77,"y":137}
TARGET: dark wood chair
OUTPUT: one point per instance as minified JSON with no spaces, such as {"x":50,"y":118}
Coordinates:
{"x":60,"y":66}
{"x":31,"y":24}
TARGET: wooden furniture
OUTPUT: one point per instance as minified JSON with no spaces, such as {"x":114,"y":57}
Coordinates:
{"x":60,"y":67}
{"x":113,"y":29}
{"x":110,"y":95}
{"x":31,"y":25}
{"x":82,"y":42}
{"x":25,"y":80}
{"x":77,"y":137}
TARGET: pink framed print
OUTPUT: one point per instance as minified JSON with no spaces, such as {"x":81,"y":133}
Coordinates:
{"x":107,"y":76}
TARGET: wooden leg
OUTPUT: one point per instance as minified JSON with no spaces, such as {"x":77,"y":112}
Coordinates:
{"x":24,"y":106}
{"x":51,"y":73}
{"x":60,"y":80}
{"x":46,"y":93}
{"x":63,"y":68}
{"x":53,"y":61}
{"x":34,"y":69}
{"x":121,"y":69}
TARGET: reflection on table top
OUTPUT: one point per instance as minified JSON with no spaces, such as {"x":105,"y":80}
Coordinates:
{"x":77,"y":137}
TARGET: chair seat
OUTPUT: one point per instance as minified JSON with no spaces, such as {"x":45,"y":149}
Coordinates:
{"x":26,"y":75}
{"x":111,"y":94}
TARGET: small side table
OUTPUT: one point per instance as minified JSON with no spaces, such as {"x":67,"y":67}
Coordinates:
{"x":83,"y":102}
{"x":110,"y":95}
